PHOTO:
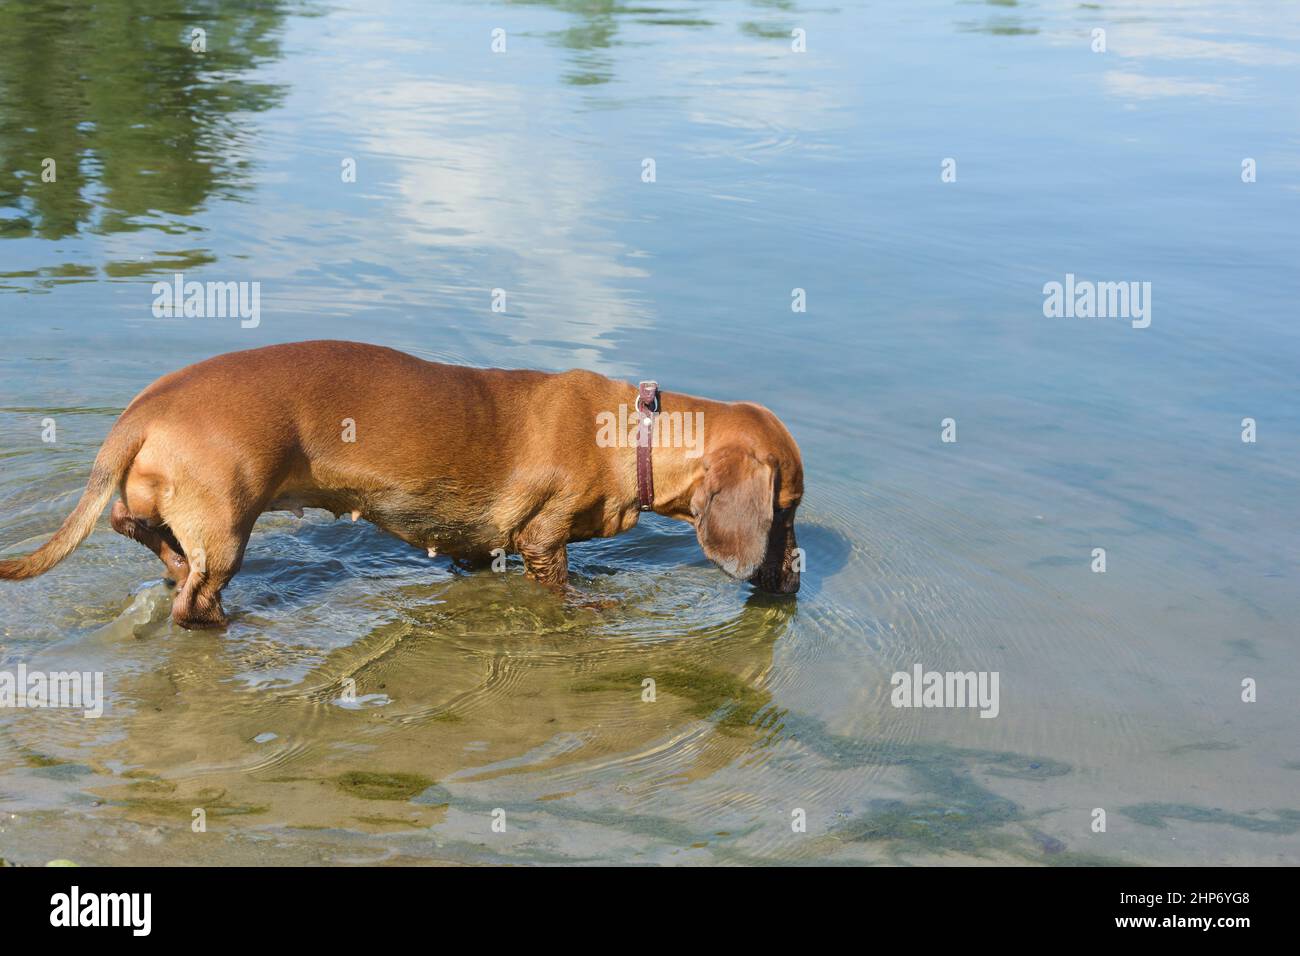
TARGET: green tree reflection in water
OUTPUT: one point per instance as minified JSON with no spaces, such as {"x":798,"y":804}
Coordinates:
{"x":143,"y":130}
{"x":594,"y":35}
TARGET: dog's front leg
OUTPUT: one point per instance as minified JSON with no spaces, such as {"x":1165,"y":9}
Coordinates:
{"x":551,"y":568}
{"x":546,"y":565}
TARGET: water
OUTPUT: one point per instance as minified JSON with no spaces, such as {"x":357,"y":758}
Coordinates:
{"x":774,"y":171}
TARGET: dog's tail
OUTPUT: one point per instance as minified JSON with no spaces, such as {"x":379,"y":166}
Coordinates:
{"x":111,"y":464}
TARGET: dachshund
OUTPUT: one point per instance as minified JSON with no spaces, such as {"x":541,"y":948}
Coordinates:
{"x":468,"y":462}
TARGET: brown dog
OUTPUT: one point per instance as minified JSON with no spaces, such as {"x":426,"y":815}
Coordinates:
{"x":452,"y":459}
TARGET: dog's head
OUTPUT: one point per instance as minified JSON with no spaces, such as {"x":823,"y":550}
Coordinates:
{"x":743,"y":504}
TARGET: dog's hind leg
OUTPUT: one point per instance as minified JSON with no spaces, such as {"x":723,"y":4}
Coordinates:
{"x":212,"y":564}
{"x":213,"y":538}
{"x":159,"y":540}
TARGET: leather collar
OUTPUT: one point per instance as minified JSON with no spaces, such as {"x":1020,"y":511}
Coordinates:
{"x":647,"y":407}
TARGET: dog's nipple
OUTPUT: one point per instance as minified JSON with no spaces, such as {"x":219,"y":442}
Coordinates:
{"x":297,"y":512}
{"x":356,"y":515}
{"x":433,"y":552}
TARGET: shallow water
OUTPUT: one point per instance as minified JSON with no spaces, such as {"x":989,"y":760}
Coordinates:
{"x":478,"y":693}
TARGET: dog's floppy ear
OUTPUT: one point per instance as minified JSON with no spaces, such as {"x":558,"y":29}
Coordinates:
{"x":732,"y":505}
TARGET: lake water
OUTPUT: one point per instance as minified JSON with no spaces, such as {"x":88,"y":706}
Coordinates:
{"x":774,"y":170}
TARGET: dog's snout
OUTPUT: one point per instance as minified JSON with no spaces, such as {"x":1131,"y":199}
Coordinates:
{"x":777,"y":581}
{"x":779,"y":573}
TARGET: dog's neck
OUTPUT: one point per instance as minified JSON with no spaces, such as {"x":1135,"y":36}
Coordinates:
{"x":675,"y":477}
{"x":677,"y":468}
